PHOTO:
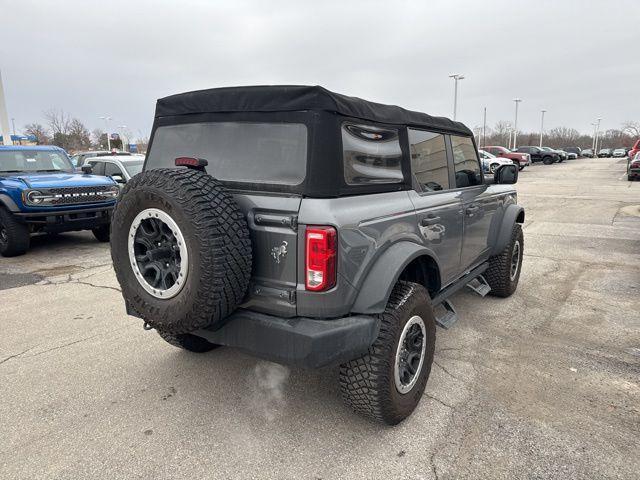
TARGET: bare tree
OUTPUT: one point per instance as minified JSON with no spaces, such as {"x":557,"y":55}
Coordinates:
{"x":78,"y":137}
{"x":631,"y":128}
{"x":98,"y":139}
{"x":39,"y":131}
{"x":59,"y":122}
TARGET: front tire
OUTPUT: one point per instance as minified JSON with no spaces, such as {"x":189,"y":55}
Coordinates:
{"x":187,"y":341}
{"x":387,"y":383}
{"x":504,"y":269}
{"x":14,"y":236}
{"x":547,"y":160}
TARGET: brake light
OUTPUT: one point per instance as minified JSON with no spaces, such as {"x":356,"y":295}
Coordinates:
{"x":320,"y":261}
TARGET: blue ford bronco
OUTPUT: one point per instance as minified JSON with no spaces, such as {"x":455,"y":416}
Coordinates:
{"x":40,"y":191}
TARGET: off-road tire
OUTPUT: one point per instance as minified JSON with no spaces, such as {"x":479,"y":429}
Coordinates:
{"x":547,"y":160}
{"x":187,"y":341}
{"x":498,"y":275}
{"x":17,"y":235}
{"x":102,"y":233}
{"x":367,"y":383}
{"x":217,"y":239}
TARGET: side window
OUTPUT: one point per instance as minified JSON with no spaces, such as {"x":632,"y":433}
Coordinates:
{"x":371,"y":155}
{"x":97,"y":167}
{"x":111,"y":169}
{"x":429,"y":160}
{"x":465,"y":160}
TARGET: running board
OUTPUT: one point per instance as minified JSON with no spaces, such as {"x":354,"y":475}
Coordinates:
{"x":448,"y":317}
{"x":479,"y":285}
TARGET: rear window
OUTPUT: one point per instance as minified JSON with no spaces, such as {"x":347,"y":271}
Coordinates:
{"x":272,"y":153}
{"x":371,"y":155}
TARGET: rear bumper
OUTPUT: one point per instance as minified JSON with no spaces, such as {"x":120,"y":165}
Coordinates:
{"x":67,"y":220}
{"x":303,"y":342}
{"x":299,"y":341}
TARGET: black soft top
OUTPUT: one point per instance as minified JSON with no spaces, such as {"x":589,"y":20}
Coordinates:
{"x":291,"y":98}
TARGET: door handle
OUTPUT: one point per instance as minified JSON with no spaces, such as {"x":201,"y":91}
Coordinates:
{"x":472,"y":210}
{"x":427,"y":221}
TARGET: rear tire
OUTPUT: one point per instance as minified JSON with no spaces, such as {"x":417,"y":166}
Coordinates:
{"x":504,"y":269}
{"x":547,"y":160}
{"x":14,"y":236}
{"x":187,"y":341}
{"x":102,"y":233}
{"x":371,"y":385}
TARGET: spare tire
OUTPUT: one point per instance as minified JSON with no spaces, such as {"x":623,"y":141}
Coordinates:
{"x":181,"y":249}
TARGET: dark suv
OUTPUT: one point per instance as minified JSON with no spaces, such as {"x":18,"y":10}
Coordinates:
{"x":312,"y":228}
{"x":540,"y":155}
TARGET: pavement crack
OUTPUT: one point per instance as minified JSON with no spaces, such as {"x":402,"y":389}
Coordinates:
{"x":449,"y":373}
{"x":432,"y":460}
{"x":15,"y":355}
{"x":440,"y":401}
{"x":96,"y":286}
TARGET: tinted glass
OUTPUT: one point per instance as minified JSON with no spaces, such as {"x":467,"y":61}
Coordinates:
{"x":111,"y":169}
{"x":97,"y":168}
{"x":429,"y":160}
{"x":371,"y":155}
{"x":34,"y":161}
{"x":465,"y":160}
{"x":273,"y":153}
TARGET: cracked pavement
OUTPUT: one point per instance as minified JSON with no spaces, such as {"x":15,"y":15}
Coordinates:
{"x":544,"y":384}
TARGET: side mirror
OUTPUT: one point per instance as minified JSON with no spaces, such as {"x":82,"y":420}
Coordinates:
{"x":87,"y":169}
{"x":506,"y":174}
{"x":118,"y":178}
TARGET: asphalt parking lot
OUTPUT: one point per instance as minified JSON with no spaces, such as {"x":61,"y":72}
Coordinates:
{"x":545,"y":384}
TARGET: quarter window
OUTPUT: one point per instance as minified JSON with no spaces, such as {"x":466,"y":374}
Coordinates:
{"x":465,"y":160}
{"x":429,"y":160}
{"x":371,"y":155}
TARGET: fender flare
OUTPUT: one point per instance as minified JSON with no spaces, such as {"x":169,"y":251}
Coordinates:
{"x":8,"y":203}
{"x":513,"y":213}
{"x":376,"y":288}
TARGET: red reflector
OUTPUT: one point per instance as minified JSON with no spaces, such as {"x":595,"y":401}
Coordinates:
{"x":320,"y":261}
{"x":198,"y":163}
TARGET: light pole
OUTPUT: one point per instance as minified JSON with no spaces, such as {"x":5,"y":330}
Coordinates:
{"x":515,"y":124}
{"x":541,"y":127}
{"x":122,"y":130}
{"x":593,"y":141}
{"x":595,"y":149}
{"x":106,"y":124}
{"x":13,"y":125}
{"x":456,"y":77}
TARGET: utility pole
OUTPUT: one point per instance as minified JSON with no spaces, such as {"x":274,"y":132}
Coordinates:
{"x":456,"y":77}
{"x":484,"y":128}
{"x":515,"y":123}
{"x":541,"y":127}
{"x":4,"y":117}
{"x":106,"y":124}
{"x":597,"y":135}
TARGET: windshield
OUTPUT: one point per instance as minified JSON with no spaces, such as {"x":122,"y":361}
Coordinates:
{"x":273,"y":153}
{"x":486,"y":154}
{"x":133,"y":168}
{"x":19,"y":161}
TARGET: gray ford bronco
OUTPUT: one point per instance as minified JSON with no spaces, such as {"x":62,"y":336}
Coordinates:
{"x":311,"y":228}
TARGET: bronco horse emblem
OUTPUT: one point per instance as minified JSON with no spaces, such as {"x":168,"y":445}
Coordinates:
{"x":279,"y":252}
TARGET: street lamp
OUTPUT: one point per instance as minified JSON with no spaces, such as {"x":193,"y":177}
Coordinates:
{"x":106,"y":124}
{"x":541,"y":127}
{"x":456,"y":77}
{"x":122,"y":129}
{"x":597,"y":136}
{"x":515,"y":124}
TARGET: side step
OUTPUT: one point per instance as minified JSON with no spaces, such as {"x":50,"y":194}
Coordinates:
{"x":479,"y":285}
{"x":446,"y":315}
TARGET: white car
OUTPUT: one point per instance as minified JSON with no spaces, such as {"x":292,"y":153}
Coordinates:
{"x":619,"y":153}
{"x":119,"y":167}
{"x":490,"y":162}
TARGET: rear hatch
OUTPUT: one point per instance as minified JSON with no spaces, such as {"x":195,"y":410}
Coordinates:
{"x":261,"y":163}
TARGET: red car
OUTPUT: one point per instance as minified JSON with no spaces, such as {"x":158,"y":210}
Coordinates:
{"x":634,"y":150}
{"x":521,"y":159}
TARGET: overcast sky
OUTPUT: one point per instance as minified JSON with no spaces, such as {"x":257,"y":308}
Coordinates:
{"x":578,"y":59}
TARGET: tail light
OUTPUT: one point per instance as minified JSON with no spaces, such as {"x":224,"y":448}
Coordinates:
{"x":320,"y":261}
